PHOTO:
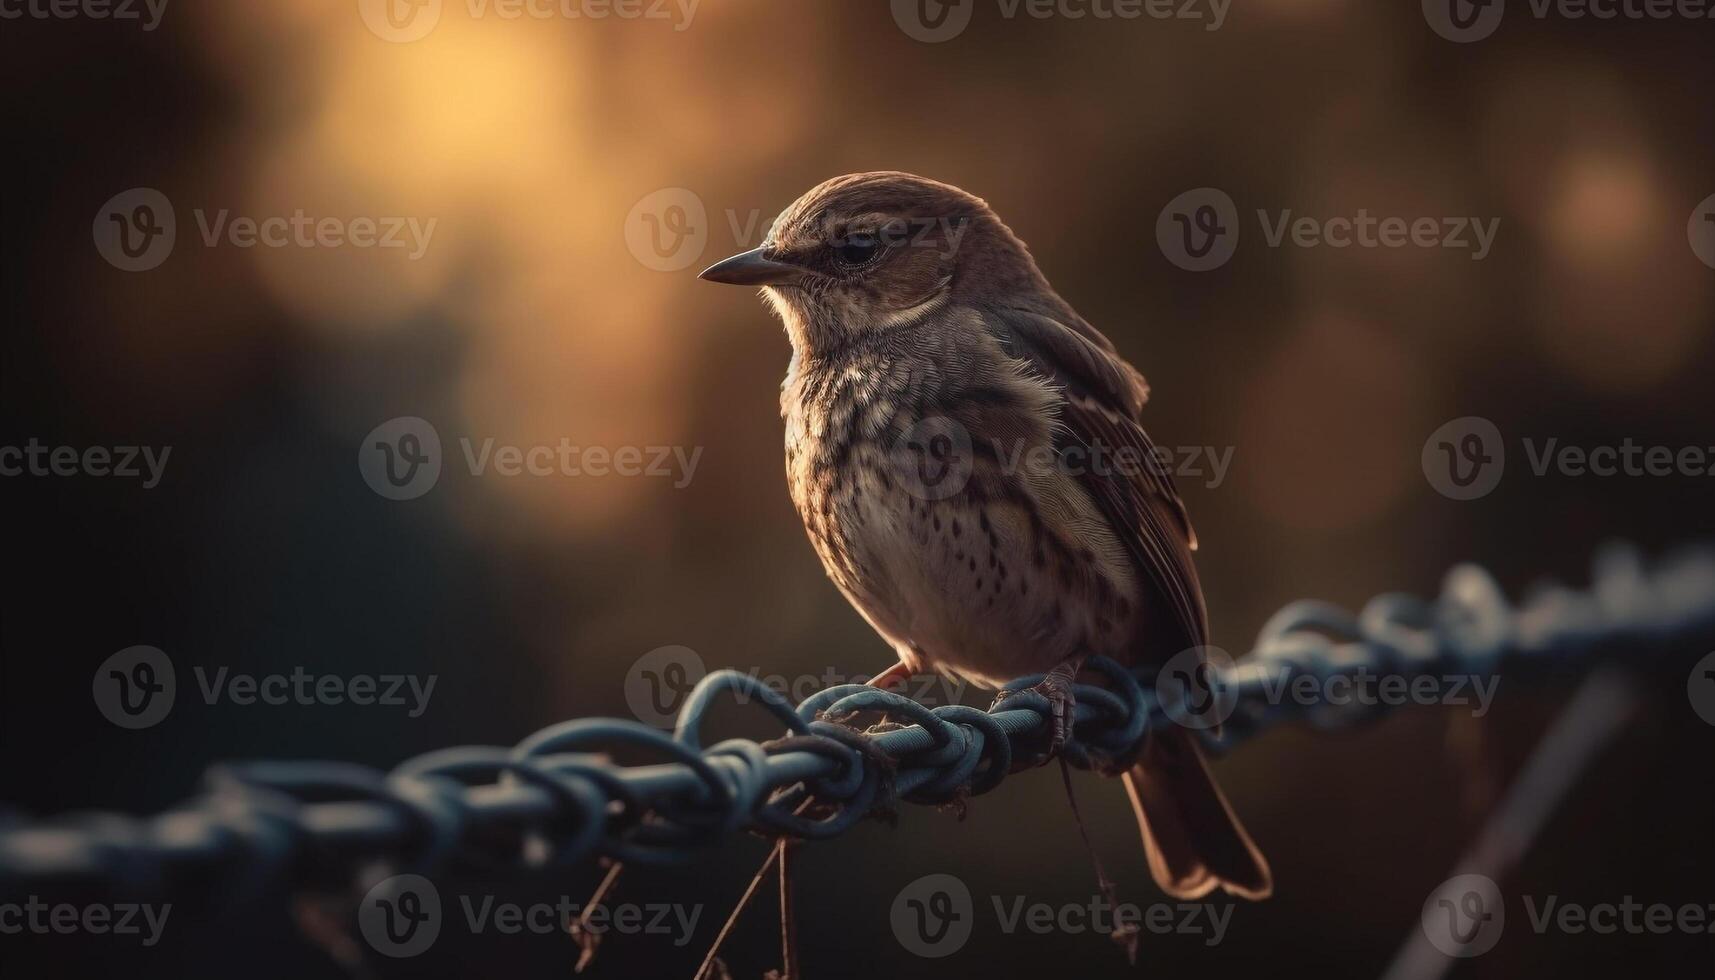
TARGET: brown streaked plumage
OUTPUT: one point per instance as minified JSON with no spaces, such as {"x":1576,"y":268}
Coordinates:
{"x":925,"y":342}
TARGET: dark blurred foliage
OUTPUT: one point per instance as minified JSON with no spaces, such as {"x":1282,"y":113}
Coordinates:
{"x":530,"y":320}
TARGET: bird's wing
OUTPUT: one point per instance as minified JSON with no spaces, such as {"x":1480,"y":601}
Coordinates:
{"x":1103,"y":397}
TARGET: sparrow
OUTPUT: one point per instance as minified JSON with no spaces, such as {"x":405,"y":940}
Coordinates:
{"x":968,"y":458}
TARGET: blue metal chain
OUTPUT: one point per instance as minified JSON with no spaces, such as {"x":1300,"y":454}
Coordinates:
{"x":264,"y":827}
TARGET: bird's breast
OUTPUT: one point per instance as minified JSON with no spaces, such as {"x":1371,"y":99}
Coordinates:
{"x":925,"y":498}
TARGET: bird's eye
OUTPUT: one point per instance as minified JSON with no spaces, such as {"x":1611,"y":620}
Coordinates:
{"x":857,"y":249}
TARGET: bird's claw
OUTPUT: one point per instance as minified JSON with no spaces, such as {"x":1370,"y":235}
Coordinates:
{"x":1062,"y":705}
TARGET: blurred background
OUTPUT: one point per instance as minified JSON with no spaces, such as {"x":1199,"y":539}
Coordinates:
{"x":579,"y":171}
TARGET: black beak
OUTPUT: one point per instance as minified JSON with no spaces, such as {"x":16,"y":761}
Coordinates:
{"x":752,"y":268}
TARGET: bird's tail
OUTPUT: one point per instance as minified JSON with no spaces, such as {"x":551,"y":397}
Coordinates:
{"x":1192,"y":839}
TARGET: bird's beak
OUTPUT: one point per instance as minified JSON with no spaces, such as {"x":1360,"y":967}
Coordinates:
{"x":752,"y":268}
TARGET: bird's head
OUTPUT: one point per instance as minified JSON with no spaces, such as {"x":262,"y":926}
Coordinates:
{"x":870,"y":252}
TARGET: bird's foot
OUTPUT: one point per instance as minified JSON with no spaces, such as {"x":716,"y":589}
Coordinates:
{"x":1056,"y":686}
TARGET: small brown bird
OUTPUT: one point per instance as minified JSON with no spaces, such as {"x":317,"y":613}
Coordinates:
{"x":967,"y":456}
